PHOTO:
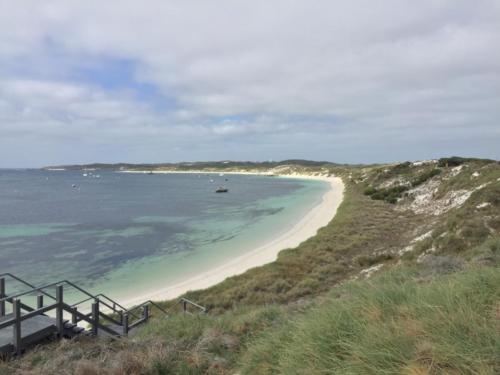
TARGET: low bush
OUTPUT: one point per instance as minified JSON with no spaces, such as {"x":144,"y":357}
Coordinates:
{"x":370,"y":190}
{"x":390,"y":195}
{"x":370,"y":260}
{"x":457,"y":160}
{"x":425,"y":176}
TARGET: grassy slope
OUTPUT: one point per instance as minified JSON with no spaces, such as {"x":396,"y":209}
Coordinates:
{"x":338,"y":251}
{"x":254,"y":315}
{"x":393,"y":324}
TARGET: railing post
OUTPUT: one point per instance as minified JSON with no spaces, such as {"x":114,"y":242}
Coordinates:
{"x":2,"y":295}
{"x":120,"y":316}
{"x":74,"y":318}
{"x":95,"y":317}
{"x":125,"y":324}
{"x":184,"y":306}
{"x":16,"y":310}
{"x":39,"y":301}
{"x":59,"y":310}
{"x":145,"y":312}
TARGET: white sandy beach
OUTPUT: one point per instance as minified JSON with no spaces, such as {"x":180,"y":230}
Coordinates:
{"x":307,"y":227}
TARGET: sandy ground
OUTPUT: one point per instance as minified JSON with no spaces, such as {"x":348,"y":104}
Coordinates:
{"x":308,"y":226}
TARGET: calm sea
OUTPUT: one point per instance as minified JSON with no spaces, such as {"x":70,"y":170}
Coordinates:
{"x":121,"y":233}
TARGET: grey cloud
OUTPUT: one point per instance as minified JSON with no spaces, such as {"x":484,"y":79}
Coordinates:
{"x":385,"y":71}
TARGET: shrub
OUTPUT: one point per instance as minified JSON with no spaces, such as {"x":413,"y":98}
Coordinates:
{"x":452,"y":161}
{"x":457,"y":160}
{"x":425,"y":176}
{"x":370,"y":190}
{"x":401,"y":167}
{"x":390,"y":195}
{"x":370,"y":260}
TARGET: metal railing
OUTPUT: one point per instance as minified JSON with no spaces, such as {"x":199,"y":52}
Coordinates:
{"x":112,"y":305}
{"x":121,"y":319}
{"x":185,"y":303}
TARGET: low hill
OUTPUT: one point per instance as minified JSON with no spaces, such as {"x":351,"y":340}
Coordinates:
{"x":226,"y":165}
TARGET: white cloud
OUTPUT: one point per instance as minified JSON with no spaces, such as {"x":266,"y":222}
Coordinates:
{"x":322,"y":70}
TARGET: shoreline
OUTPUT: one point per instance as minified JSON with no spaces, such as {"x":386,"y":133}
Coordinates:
{"x":318,"y":217}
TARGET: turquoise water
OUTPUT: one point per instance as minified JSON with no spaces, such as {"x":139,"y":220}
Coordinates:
{"x":124,"y":234}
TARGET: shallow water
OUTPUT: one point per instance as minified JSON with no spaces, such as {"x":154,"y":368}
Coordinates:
{"x":123,"y":233}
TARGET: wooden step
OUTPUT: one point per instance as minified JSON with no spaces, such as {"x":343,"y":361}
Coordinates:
{"x":118,"y":329}
{"x":33,"y":330}
{"x":77,"y":330}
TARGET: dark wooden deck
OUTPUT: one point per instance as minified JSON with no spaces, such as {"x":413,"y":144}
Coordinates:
{"x":33,"y":330}
{"x":31,"y":325}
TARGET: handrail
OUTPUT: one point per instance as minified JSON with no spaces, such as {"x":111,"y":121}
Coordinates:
{"x":112,"y":301}
{"x":185,"y":301}
{"x":94,"y":297}
{"x":158,"y":307}
{"x":41,"y":289}
{"x":102,"y":298}
{"x":138,"y":323}
{"x":124,"y":309}
{"x":89,"y":320}
{"x":23,"y":305}
{"x":90,"y":295}
{"x":60,"y":306}
{"x":110,"y":319}
{"x":150,"y":303}
{"x":24,"y":282}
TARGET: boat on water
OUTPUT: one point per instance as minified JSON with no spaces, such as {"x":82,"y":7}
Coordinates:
{"x":221,"y":189}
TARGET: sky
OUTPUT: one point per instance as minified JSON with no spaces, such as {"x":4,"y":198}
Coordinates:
{"x":165,"y":81}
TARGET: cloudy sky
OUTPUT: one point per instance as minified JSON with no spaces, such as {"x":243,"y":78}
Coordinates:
{"x":157,"y":80}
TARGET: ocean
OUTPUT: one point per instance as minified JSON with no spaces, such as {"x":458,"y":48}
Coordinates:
{"x":128,"y":233}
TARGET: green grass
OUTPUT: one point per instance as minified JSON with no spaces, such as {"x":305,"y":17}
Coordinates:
{"x":396,"y":323}
{"x":361,"y":224}
{"x":297,"y":315}
{"x":392,"y":325}
{"x":180,"y":344}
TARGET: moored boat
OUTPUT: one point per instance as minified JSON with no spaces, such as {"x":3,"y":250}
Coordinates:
{"x":221,"y":189}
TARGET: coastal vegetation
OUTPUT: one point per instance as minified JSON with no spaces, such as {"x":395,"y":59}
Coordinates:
{"x":404,"y":279}
{"x":392,"y":194}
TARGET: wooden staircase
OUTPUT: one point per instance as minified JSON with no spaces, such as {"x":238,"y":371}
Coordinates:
{"x":24,"y":325}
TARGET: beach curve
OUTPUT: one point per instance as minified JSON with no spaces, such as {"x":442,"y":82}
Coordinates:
{"x":318,"y":217}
